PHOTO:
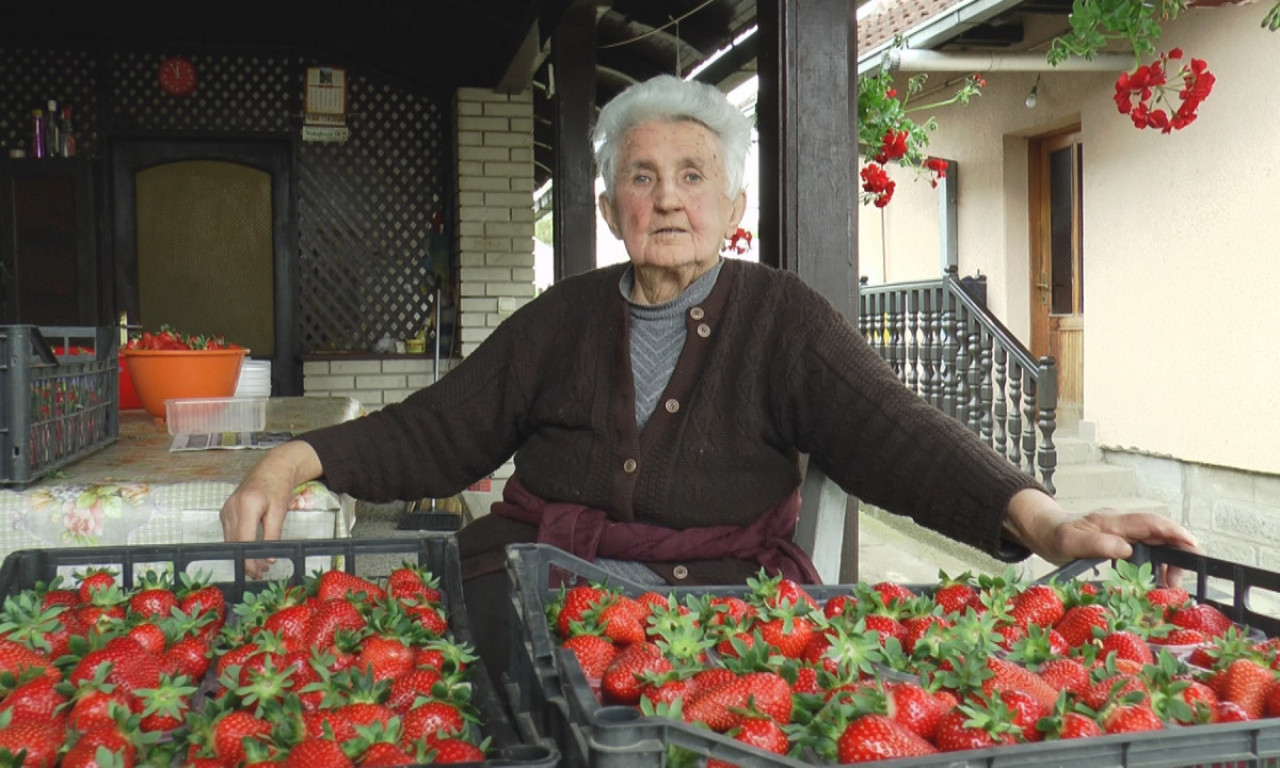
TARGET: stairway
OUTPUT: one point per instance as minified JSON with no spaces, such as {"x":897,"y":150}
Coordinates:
{"x":1084,"y":482}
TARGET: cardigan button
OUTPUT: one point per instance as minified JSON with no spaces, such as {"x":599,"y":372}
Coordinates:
{"x":680,"y":572}
{"x":696,"y":313}
{"x":704,"y":330}
{"x":673,"y":405}
{"x":629,"y":466}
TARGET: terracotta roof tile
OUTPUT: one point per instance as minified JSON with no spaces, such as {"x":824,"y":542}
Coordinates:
{"x":893,"y":17}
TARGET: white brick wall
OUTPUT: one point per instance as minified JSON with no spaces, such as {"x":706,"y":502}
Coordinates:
{"x":495,"y":209}
{"x":374,"y":382}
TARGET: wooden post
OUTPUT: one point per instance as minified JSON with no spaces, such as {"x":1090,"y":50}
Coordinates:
{"x":808,"y":167}
{"x":573,"y":58}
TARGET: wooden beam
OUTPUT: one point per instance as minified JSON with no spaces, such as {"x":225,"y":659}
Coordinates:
{"x":808,"y":168}
{"x":573,"y":60}
{"x":809,"y":203}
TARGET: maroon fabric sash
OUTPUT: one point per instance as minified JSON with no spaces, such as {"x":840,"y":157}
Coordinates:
{"x":589,"y":533}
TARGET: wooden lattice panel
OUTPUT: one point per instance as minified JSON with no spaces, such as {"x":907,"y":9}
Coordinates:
{"x":365,"y":207}
{"x":29,"y":77}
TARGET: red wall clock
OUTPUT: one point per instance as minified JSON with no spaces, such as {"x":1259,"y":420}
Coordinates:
{"x":177,"y":76}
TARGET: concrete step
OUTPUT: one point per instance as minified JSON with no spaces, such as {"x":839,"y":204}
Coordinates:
{"x":1073,"y":450}
{"x":1120,"y":504}
{"x":1080,"y":481}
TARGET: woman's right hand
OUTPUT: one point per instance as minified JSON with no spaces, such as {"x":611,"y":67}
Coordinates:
{"x":263,"y":496}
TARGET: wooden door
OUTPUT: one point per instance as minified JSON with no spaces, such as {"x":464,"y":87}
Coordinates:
{"x":1057,"y":261}
{"x":203,"y":240}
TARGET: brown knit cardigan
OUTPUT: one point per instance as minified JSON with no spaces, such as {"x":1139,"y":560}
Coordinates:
{"x":769,"y":370}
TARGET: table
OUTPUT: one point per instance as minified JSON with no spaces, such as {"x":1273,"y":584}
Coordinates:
{"x":135,"y":491}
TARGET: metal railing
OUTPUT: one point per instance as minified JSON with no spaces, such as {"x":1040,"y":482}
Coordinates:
{"x":946,"y":347}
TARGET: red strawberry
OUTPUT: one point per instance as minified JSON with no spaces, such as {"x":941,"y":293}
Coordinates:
{"x":93,"y":581}
{"x":457,"y":751}
{"x":328,"y":618}
{"x":779,"y":592}
{"x":384,"y":753}
{"x":914,"y":707}
{"x":789,"y":634}
{"x":34,"y":701}
{"x":205,"y":599}
{"x":1246,"y":683}
{"x":428,"y":615}
{"x":16,"y":658}
{"x":1131,"y":718}
{"x":892,"y":594}
{"x":291,"y":624}
{"x":953,"y":595}
{"x":1025,"y":712}
{"x":1038,"y":604}
{"x":430,"y":718}
{"x":621,"y":681}
{"x":317,"y":753}
{"x":761,"y":733}
{"x":839,"y":605}
{"x":1167,"y":599}
{"x":90,"y":756}
{"x":389,"y":657}
{"x":593,"y":652}
{"x":231,"y":729}
{"x":154,"y":598}
{"x":954,"y":735}
{"x":720,"y":706}
{"x":413,"y":581}
{"x":1065,"y":674}
{"x":1074,"y":725}
{"x":574,"y":606}
{"x":1010,"y":676}
{"x":1180,"y":636}
{"x":622,"y":619}
{"x":1076,"y":625}
{"x":1126,"y":645}
{"x":188,"y":656}
{"x":876,"y":737}
{"x":1203,"y":617}
{"x":1229,"y":712}
{"x":339,"y":585}
{"x":40,"y":740}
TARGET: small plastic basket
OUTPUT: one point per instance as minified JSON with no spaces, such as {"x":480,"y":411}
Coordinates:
{"x":58,"y":397}
{"x":215,"y":415}
{"x":369,"y":558}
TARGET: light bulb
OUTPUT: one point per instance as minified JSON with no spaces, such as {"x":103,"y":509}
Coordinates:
{"x":1031,"y":99}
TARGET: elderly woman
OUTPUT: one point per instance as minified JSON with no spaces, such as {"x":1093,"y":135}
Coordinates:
{"x":657,"y":409}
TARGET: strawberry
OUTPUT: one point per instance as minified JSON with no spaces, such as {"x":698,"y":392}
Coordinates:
{"x":839,"y":605}
{"x":428,"y":615}
{"x":1180,"y":636}
{"x":16,"y":658}
{"x":457,"y":751}
{"x":231,"y":730}
{"x":1038,"y":604}
{"x":1229,"y":712}
{"x":1065,"y":674}
{"x":339,"y":585}
{"x":188,"y":656}
{"x":327,"y":619}
{"x":316,"y":724}
{"x":914,"y":707}
{"x":789,"y":634}
{"x":413,"y":581}
{"x":150,"y":636}
{"x":778,"y":592}
{"x":1069,"y":725}
{"x":1131,"y":718}
{"x":573,"y":606}
{"x":593,"y":653}
{"x":621,"y":681}
{"x":34,"y":701}
{"x":1126,"y":645}
{"x":388,"y":657}
{"x":154,"y":598}
{"x":165,"y":707}
{"x":761,"y":733}
{"x":621,"y":618}
{"x":720,"y":706}
{"x":317,"y":753}
{"x":1077,"y":623}
{"x":1246,"y":683}
{"x":95,"y":580}
{"x":384,"y":753}
{"x":877,"y":737}
{"x":291,"y":624}
{"x":41,"y":741}
{"x":1167,"y":599}
{"x":430,"y":718}
{"x":1011,"y":676}
{"x":199,"y":599}
{"x":90,"y":756}
{"x":93,"y":706}
{"x":1025,"y":712}
{"x":892,"y":594}
{"x":1203,"y":617}
{"x":955,"y":734}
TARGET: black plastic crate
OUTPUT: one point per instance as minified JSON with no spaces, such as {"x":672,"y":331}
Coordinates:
{"x":58,"y":397}
{"x":550,"y":696}
{"x":369,"y":558}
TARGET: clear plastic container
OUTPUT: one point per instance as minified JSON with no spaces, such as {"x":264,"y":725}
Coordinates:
{"x":214,"y":415}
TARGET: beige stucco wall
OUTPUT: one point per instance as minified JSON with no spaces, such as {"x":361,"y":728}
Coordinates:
{"x":1181,"y":268}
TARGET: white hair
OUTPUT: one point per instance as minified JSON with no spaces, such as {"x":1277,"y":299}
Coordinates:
{"x":667,"y":98}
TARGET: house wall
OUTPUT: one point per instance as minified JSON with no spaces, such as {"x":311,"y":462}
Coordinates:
{"x":1178,"y":240}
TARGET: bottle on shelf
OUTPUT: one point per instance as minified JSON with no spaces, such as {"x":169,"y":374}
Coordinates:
{"x":52,"y":144}
{"x":38,"y":133}
{"x":66,"y":135}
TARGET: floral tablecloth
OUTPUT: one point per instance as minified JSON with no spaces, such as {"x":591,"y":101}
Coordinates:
{"x":136,"y":491}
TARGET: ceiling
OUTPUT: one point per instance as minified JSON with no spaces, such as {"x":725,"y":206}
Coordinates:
{"x":444,"y":44}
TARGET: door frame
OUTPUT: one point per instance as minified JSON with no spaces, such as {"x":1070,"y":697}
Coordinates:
{"x":273,"y":155}
{"x":1047,"y":329}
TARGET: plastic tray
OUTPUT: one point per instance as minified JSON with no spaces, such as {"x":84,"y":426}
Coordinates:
{"x":58,"y":397}
{"x":370,"y":558}
{"x":215,"y":415}
{"x":550,"y":696}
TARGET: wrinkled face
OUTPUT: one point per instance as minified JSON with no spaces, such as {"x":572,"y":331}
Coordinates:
{"x":670,"y":209}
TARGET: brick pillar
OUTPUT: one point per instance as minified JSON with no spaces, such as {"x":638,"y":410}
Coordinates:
{"x":495,"y":224}
{"x":495,"y":209}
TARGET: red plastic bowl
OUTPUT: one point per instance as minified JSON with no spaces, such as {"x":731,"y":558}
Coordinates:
{"x":159,"y":375}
